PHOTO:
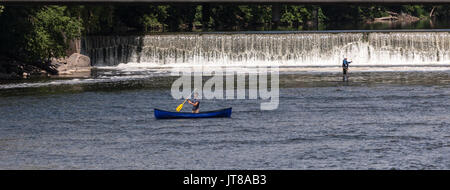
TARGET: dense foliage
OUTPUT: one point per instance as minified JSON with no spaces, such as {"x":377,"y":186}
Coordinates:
{"x":37,"y":33}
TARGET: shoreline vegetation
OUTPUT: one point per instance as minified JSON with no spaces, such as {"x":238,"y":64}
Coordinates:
{"x":44,"y":40}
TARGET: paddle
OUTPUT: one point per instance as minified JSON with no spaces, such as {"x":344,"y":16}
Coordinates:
{"x":181,"y":105}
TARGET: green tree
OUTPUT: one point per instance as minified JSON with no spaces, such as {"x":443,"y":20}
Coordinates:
{"x":181,"y":17}
{"x":51,"y":32}
{"x":293,"y":15}
{"x":261,"y":14}
{"x":99,"y":19}
{"x":38,"y":33}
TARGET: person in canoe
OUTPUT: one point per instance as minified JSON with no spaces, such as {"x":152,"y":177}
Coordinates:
{"x":345,"y":64}
{"x":195,"y":103}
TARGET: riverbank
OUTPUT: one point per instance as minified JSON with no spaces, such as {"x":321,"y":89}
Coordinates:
{"x":11,"y":69}
{"x":76,"y":65}
{"x":396,"y":17}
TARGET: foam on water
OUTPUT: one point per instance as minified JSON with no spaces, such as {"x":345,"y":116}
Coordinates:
{"x":125,"y":72}
{"x":121,"y":58}
{"x":101,"y":79}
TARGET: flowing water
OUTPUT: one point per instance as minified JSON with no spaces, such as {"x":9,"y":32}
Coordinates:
{"x":392,"y":115}
{"x":288,"y":48}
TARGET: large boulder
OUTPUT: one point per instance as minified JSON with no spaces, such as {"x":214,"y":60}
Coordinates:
{"x":74,"y":64}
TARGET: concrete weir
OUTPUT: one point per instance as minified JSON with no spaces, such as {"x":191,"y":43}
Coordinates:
{"x":288,"y":48}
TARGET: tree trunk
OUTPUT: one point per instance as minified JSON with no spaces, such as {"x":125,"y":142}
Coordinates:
{"x":432,"y":11}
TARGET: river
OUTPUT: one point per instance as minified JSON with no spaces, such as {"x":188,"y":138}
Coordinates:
{"x":392,"y":115}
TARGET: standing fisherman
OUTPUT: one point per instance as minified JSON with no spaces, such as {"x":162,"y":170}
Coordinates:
{"x":345,"y":69}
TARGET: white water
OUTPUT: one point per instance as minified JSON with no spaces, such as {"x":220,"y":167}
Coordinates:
{"x":123,"y":58}
{"x":285,"y":49}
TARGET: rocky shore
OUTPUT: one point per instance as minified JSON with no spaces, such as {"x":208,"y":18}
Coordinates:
{"x":395,"y":17}
{"x":75,"y":65}
{"x":72,"y":65}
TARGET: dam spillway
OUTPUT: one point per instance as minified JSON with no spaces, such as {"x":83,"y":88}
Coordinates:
{"x":271,"y":48}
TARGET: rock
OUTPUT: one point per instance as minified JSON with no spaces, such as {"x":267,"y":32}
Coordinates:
{"x":10,"y":69}
{"x":74,"y":63}
{"x":77,"y":60}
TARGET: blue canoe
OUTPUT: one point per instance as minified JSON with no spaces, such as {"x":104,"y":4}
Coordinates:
{"x":161,"y":114}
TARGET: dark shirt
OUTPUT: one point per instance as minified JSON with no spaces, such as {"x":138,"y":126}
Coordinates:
{"x":195,"y":101}
{"x":345,"y":63}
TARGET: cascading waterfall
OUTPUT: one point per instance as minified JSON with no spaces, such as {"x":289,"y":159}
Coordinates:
{"x":303,"y":49}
